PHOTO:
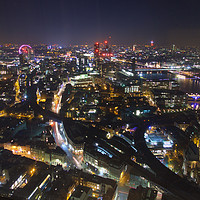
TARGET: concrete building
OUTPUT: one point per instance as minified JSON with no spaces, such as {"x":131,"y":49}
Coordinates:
{"x":81,"y":193}
{"x":39,"y":153}
{"x":100,"y":186}
{"x":169,"y":100}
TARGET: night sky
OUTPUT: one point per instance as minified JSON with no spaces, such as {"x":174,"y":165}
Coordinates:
{"x":85,"y":21}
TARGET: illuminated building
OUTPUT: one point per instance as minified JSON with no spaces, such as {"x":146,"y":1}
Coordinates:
{"x":132,"y":88}
{"x":100,"y":186}
{"x":7,"y":90}
{"x":194,"y":101}
{"x":134,"y":47}
{"x":171,"y":100}
{"x":75,"y":146}
{"x":106,"y":50}
{"x":101,"y":54}
{"x":104,"y":161}
{"x":173,"y":47}
{"x":192,"y":161}
{"x":82,"y":62}
{"x":137,"y":110}
{"x":17,"y":90}
{"x":24,"y":179}
{"x":96,"y":50}
{"x":160,"y":84}
{"x":158,"y":141}
{"x":7,"y":70}
{"x":39,"y":153}
{"x":83,"y":80}
{"x":36,"y":186}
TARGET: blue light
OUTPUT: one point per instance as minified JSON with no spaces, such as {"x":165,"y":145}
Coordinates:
{"x":195,"y":97}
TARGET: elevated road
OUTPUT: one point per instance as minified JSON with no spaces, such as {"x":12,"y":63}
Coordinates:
{"x":164,"y":177}
{"x":180,"y":187}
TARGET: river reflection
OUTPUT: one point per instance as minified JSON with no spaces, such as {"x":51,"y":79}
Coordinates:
{"x":186,"y":85}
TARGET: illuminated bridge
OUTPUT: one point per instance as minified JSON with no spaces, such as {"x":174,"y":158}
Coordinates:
{"x":194,"y":96}
{"x":138,"y":70}
{"x":150,"y":69}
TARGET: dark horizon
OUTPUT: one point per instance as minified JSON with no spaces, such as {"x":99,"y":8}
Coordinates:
{"x":79,"y":22}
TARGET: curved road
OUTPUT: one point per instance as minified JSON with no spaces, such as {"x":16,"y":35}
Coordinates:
{"x":180,"y":187}
{"x":59,"y":134}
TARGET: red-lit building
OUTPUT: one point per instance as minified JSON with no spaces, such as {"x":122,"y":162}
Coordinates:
{"x":96,"y":50}
{"x":104,"y":51}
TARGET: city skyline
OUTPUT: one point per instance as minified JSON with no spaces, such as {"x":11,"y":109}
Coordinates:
{"x":78,"y":22}
{"x":99,"y":100}
{"x":113,"y":121}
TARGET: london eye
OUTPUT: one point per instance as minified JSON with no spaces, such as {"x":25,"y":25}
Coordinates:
{"x":25,"y":49}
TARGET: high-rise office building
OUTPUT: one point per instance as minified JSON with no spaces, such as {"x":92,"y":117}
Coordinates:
{"x":96,"y":50}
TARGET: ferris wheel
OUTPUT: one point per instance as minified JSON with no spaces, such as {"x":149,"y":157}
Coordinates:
{"x":25,"y":50}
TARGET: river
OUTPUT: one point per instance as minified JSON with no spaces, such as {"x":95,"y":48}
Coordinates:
{"x":187,"y":85}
